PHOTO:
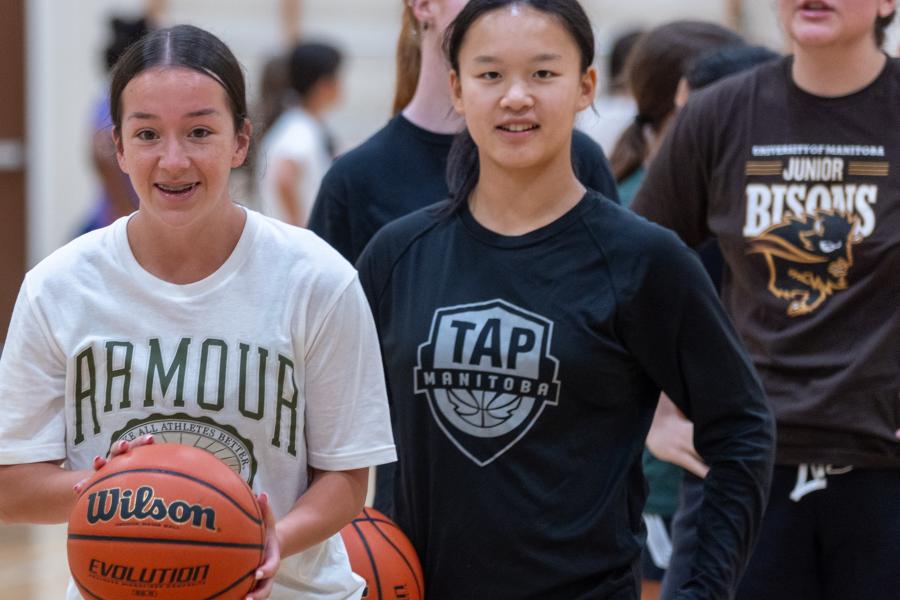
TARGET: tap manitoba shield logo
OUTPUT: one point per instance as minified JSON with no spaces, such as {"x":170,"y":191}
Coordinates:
{"x":488,"y":375}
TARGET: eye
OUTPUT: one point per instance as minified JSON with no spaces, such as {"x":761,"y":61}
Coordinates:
{"x":490,"y":75}
{"x":146,"y":135}
{"x":200,"y":132}
{"x":544,"y":74}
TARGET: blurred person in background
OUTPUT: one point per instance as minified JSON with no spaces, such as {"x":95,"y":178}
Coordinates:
{"x":791,"y":167}
{"x":655,"y":66}
{"x":652,"y":71}
{"x":402,"y":167}
{"x":614,"y":108}
{"x":297,"y":150}
{"x":116,"y":197}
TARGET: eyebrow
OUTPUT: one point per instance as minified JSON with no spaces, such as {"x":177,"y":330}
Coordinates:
{"x":487,"y":59}
{"x":203,"y":112}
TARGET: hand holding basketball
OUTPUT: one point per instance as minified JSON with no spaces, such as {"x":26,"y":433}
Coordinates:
{"x":265,"y":574}
{"x":120,"y":447}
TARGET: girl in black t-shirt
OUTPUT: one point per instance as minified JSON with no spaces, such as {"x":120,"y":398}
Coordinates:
{"x":527,"y":326}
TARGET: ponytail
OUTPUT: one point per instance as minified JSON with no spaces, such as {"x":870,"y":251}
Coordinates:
{"x":462,"y":171}
{"x":408,"y":60}
{"x":629,"y":152}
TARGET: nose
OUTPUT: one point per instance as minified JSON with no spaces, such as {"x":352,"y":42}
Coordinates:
{"x":517,"y":97}
{"x":173,"y":157}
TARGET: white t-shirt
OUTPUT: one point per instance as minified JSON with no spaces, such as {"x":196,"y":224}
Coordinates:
{"x":295,"y":136}
{"x":273,"y":359}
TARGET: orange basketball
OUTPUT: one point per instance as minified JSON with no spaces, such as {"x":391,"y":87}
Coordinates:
{"x":165,"y":521}
{"x":381,"y":554}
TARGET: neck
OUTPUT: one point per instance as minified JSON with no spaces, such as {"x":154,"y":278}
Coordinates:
{"x":430,"y":107}
{"x":186,"y":254}
{"x":516,"y":202}
{"x":837,"y":71}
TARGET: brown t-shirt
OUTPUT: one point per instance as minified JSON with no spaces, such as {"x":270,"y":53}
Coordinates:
{"x":803,"y":194}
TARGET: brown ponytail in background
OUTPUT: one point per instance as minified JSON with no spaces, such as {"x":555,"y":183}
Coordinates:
{"x":409,"y":59}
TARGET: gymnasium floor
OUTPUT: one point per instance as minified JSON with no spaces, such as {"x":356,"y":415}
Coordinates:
{"x":33,"y":562}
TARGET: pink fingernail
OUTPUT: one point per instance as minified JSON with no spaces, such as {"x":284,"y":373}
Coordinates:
{"x":259,"y":574}
{"x":76,"y":488}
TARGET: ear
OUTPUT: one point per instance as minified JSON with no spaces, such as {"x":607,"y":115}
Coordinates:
{"x":241,"y":144}
{"x":456,"y":93}
{"x":424,"y":12}
{"x":588,"y":89}
{"x":120,"y":150}
{"x":886,"y":7}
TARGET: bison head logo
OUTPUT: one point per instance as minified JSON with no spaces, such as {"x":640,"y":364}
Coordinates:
{"x":808,"y":258}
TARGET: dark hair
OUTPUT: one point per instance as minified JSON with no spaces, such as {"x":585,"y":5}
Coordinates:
{"x":882,"y":23}
{"x":656,"y":64}
{"x":717,"y":64}
{"x":409,"y":59}
{"x":124,"y":33}
{"x":618,"y":56}
{"x":310,"y":63}
{"x":462,"y":162}
{"x":180,"y":46}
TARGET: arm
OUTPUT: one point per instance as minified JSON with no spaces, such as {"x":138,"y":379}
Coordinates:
{"x":691,"y":352}
{"x":37,"y":492}
{"x":332,"y":500}
{"x":288,"y":177}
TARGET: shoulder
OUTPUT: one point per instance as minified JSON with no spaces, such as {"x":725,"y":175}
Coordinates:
{"x":725,"y":93}
{"x":84,"y":259}
{"x":376,"y":149}
{"x":399,"y":234}
{"x":631,"y":243}
{"x":393,"y":241}
{"x":307,"y":260}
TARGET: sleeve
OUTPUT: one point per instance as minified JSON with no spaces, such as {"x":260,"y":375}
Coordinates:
{"x":675,"y":326}
{"x":347,"y":420}
{"x":675,"y":191}
{"x":372,"y":283}
{"x":32,"y":390}
{"x":330,"y":218}
{"x":591,"y":166}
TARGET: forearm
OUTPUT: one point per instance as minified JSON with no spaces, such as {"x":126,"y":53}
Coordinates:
{"x":37,"y":492}
{"x":332,"y":500}
{"x":735,"y":496}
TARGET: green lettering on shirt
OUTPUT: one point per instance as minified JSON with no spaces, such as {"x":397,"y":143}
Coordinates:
{"x":85,"y":359}
{"x":155,"y":368}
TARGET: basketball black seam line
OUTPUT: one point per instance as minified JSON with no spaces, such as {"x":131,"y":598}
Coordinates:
{"x":400,"y":552}
{"x":368,"y":550}
{"x":183,"y":476}
{"x":81,"y":586}
{"x":140,"y":540}
{"x":243,"y":577}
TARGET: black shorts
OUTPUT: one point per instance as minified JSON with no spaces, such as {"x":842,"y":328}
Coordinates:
{"x":827,"y":534}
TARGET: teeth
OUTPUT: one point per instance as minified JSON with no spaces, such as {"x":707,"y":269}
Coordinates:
{"x":518,"y":128}
{"x":170,"y":188}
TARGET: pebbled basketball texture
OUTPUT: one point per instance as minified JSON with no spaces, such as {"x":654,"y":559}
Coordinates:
{"x":381,"y":554}
{"x":165,"y":521}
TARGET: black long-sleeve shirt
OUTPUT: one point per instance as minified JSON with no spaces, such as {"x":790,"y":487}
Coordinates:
{"x":523,"y":374}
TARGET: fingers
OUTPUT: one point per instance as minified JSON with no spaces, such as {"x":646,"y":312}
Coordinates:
{"x":897,"y":434}
{"x":265,"y":574}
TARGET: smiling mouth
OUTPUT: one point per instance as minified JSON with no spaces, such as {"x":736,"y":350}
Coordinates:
{"x":175,"y":189}
{"x":518,"y":128}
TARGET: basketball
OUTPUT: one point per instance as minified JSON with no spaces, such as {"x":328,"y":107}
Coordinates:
{"x":381,"y":554}
{"x":165,"y":521}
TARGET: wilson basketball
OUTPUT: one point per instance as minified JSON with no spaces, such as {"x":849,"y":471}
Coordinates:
{"x":381,"y":554}
{"x":165,"y":521}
